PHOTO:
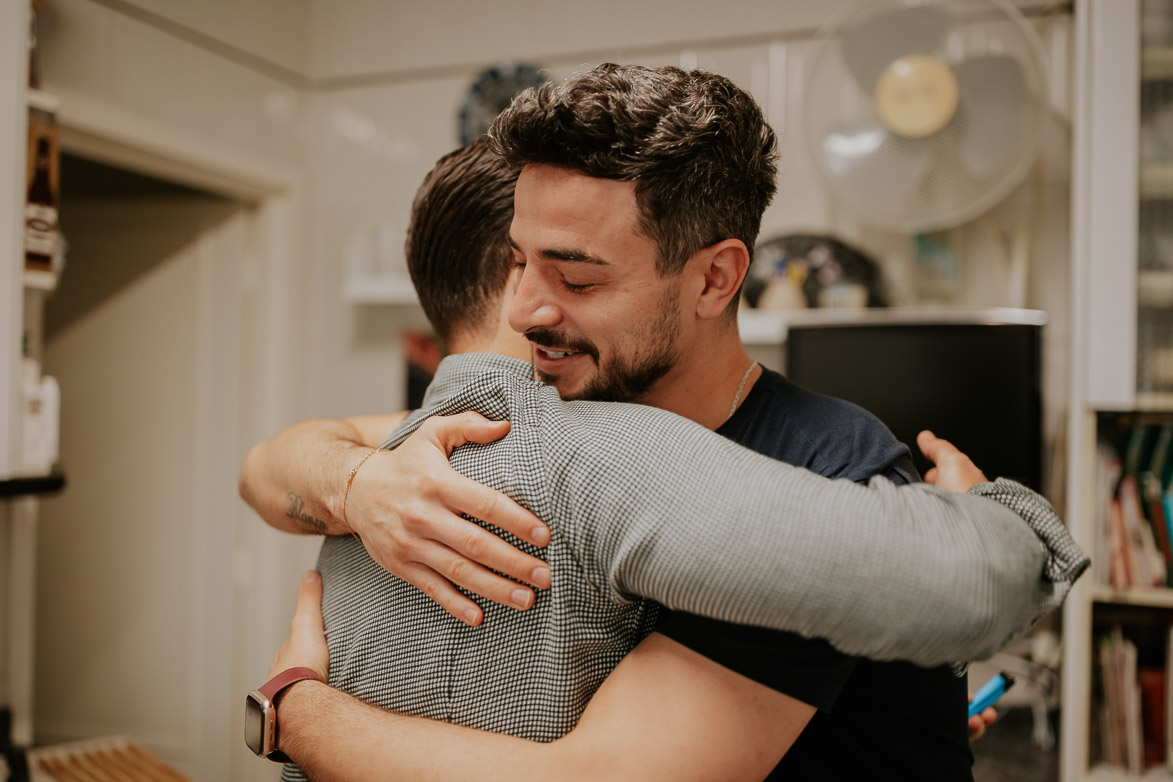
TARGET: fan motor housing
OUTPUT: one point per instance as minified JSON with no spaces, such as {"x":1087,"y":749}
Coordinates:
{"x":916,"y":95}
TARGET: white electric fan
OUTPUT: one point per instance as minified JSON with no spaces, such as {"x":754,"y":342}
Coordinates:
{"x":922,"y":115}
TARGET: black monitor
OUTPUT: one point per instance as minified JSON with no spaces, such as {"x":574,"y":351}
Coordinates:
{"x":974,"y":381}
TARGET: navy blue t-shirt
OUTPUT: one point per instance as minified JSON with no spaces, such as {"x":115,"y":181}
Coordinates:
{"x":875,"y":721}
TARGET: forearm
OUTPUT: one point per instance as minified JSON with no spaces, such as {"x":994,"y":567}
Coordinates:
{"x":296,"y":481}
{"x":334,"y":737}
{"x":665,"y":714}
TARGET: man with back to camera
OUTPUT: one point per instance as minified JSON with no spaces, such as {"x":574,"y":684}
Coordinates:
{"x":552,"y":258}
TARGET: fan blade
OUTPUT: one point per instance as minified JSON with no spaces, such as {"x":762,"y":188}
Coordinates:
{"x":870,"y":45}
{"x":992,"y":111}
{"x":874,"y":164}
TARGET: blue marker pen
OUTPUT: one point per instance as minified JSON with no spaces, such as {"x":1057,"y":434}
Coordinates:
{"x":990,"y":692}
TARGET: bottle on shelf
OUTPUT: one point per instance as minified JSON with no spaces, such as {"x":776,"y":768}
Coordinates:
{"x":40,"y":223}
{"x":40,"y":418}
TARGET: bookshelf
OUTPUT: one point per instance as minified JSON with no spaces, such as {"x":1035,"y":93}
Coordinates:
{"x":18,"y":510}
{"x":1156,"y":63}
{"x":36,"y":280}
{"x":1153,"y":402}
{"x":758,"y":327}
{"x":1156,"y":180}
{"x":1109,"y":774}
{"x":1151,"y":598}
{"x":1122,"y":349}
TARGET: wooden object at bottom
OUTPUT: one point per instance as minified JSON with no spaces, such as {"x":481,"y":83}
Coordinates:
{"x":103,"y":760}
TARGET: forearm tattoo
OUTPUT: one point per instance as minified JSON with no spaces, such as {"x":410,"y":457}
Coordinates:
{"x":296,"y":511}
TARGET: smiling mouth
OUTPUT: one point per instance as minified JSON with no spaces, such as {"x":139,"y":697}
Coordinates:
{"x":553,"y":354}
{"x":554,"y":345}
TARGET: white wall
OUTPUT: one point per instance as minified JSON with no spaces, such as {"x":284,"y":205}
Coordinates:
{"x":358,"y":37}
{"x":277,"y":31}
{"x":371,"y":37}
{"x":97,"y":52}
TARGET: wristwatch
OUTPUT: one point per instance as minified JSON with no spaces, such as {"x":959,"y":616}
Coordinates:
{"x":260,"y":712}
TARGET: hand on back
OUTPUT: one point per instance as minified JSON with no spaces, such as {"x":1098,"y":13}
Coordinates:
{"x":408,"y":506}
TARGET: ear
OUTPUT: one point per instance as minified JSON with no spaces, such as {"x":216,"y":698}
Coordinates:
{"x":722,"y":266}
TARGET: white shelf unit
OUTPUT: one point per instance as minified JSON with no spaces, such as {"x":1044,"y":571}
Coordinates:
{"x":39,"y":280}
{"x":761,"y":327}
{"x":1151,"y":598}
{"x":1156,"y":63}
{"x":758,"y":327}
{"x":765,"y":328}
{"x":45,"y":101}
{"x":1153,"y":403}
{"x":387,"y":289}
{"x":18,"y":516}
{"x":1155,"y":288}
{"x":769,"y":327}
{"x":1108,"y":290}
{"x":1156,"y":180}
{"x":1109,"y":774}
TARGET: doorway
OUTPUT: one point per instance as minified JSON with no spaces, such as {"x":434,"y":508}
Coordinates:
{"x":143,"y":338}
{"x":146,"y":617}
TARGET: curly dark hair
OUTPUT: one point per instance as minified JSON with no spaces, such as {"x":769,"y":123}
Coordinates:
{"x":457,"y":246}
{"x":701,"y":155}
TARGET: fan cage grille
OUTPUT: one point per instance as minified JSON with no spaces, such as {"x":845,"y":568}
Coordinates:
{"x":925,"y":184}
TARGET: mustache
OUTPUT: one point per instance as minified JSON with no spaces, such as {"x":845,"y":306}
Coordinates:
{"x":557,"y":340}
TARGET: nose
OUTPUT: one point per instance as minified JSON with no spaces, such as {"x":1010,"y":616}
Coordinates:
{"x":533,"y":305}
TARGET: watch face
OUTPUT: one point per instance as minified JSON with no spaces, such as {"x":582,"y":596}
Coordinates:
{"x":258,"y":723}
{"x":491,"y":93}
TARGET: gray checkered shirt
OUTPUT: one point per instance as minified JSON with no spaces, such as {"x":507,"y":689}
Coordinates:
{"x":645,"y":505}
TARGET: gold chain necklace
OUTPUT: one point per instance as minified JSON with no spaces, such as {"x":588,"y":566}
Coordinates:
{"x":740,"y":388}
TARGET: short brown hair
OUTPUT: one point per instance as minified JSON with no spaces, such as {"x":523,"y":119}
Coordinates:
{"x":457,"y":247}
{"x":702,"y":156}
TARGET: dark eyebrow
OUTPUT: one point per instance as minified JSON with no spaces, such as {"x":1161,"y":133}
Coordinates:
{"x":578,"y":256}
{"x":561,"y":254}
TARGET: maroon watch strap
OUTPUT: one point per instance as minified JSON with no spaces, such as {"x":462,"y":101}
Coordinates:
{"x":273,"y":688}
{"x":289,"y":676}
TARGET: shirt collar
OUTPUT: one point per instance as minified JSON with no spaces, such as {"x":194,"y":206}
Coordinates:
{"x":457,"y":371}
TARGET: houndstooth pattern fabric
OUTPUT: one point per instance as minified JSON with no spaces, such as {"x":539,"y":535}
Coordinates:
{"x":644,"y":505}
{"x":1065,"y":561}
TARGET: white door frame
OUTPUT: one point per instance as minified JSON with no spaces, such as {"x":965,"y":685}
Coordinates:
{"x":274,"y":195}
{"x":110,"y":135}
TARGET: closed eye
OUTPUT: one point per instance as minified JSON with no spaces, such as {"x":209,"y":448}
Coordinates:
{"x":572,"y":288}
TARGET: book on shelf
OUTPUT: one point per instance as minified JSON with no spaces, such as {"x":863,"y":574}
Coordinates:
{"x":1169,"y":701}
{"x":1134,"y":500}
{"x":1111,"y":710}
{"x":1135,"y":699}
{"x":1153,"y":687}
{"x":1161,"y":464}
{"x":1107,"y":563}
{"x":1153,"y":499}
{"x":1122,"y":555}
{"x":1150,"y":570}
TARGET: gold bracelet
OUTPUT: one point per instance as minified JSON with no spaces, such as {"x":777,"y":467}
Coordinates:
{"x":346,"y":494}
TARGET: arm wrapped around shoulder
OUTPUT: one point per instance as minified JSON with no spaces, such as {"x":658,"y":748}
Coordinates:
{"x":882,"y":571}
